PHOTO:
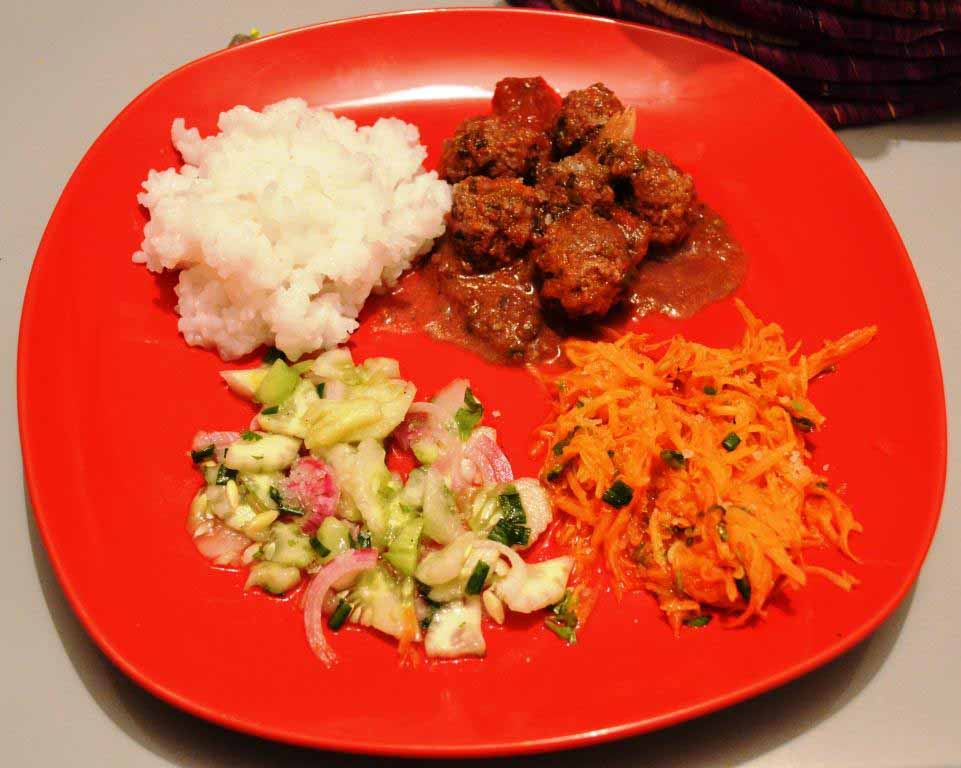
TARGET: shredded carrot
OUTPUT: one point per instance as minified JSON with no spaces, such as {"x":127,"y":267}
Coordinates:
{"x":710,"y":443}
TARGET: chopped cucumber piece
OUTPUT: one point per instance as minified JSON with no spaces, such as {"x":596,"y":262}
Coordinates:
{"x":257,"y":488}
{"x":334,"y":536}
{"x":290,"y":417}
{"x":380,"y":369}
{"x":378,"y":602}
{"x":210,"y":472}
{"x":441,"y":522}
{"x":403,"y":550}
{"x":333,"y":364}
{"x":425,"y":451}
{"x":273,"y":577}
{"x":544,"y":584}
{"x":367,"y":411}
{"x":456,"y":588}
{"x":444,"y":565}
{"x":288,"y":545}
{"x":303,"y":367}
{"x":246,"y":382}
{"x":270,"y":454}
{"x":413,"y":494}
{"x":455,"y":630}
{"x":278,"y":384}
{"x":366,"y":485}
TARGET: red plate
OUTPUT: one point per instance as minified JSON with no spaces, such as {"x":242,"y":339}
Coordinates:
{"x":110,"y":395}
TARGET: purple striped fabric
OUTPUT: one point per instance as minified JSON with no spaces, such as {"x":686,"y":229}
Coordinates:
{"x":918,"y":10}
{"x":847,"y":79}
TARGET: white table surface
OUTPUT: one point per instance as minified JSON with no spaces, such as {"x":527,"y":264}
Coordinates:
{"x":66,"y":69}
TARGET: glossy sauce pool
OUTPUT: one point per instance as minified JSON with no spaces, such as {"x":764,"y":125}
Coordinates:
{"x":498,"y":316}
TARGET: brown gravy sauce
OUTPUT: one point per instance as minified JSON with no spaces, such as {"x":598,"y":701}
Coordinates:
{"x":499,"y":316}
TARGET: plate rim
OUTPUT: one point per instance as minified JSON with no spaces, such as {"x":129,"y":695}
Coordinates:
{"x":582,"y":738}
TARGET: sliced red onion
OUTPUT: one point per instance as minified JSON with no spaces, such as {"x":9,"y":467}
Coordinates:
{"x":220,"y":544}
{"x":489,"y":459}
{"x":221,"y":441}
{"x":311,"y":487}
{"x":349,"y":563}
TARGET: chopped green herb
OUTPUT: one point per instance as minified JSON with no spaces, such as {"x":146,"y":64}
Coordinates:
{"x":320,"y":389}
{"x":555,"y":472}
{"x":224,"y":474}
{"x":477,"y":578}
{"x":731,"y":442}
{"x":618,"y":495}
{"x":363,"y":540}
{"x":743,"y":587}
{"x":467,"y":417}
{"x":275,"y":495}
{"x":698,"y":621}
{"x":559,"y":447}
{"x":821,"y":484}
{"x":272,"y":354}
{"x":674,"y":459}
{"x":796,"y":405}
{"x":318,"y":546}
{"x":579,"y":404}
{"x":270,"y":411}
{"x":340,"y":615}
{"x":563,"y":621}
{"x":803,"y":423}
{"x":709,"y":390}
{"x":250,"y":437}
{"x":203,"y":453}
{"x":511,"y":528}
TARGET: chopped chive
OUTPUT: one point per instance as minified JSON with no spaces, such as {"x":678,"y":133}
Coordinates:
{"x":555,"y":473}
{"x":363,"y":540}
{"x":698,"y":621}
{"x":250,"y":437}
{"x":822,"y":485}
{"x":709,"y":390}
{"x":275,"y":495}
{"x":320,"y":389}
{"x":565,"y":633}
{"x":559,"y":447}
{"x":511,"y":528}
{"x":224,"y":474}
{"x":731,"y":442}
{"x":803,"y":423}
{"x":618,"y":495}
{"x":743,"y":587}
{"x":796,"y":405}
{"x":203,"y":453}
{"x":339,"y":616}
{"x":477,"y":578}
{"x":270,"y":411}
{"x":318,"y":546}
{"x":272,"y":354}
{"x":579,"y":404}
{"x":674,"y":459}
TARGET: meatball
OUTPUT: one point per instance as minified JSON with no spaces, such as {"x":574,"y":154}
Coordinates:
{"x":500,"y":307}
{"x":657,"y":190}
{"x":491,"y":146}
{"x":527,"y":100}
{"x":490,"y":220}
{"x":636,"y":231}
{"x":584,"y":261}
{"x":583,"y":113}
{"x":575,"y":181}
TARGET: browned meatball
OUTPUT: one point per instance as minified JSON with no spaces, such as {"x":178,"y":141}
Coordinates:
{"x":528,"y":100}
{"x":491,"y":146}
{"x":659,"y":192}
{"x":500,"y":307}
{"x":583,"y":113}
{"x":636,"y":231}
{"x":584,"y":261}
{"x":490,"y":220}
{"x":575,"y":181}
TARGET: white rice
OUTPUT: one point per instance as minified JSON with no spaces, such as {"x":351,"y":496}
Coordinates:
{"x":285,"y":221}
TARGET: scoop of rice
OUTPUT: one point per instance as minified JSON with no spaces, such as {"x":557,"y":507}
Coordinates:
{"x":284,"y":222}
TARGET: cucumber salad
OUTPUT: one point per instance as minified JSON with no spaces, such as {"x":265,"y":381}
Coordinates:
{"x":305,"y":495}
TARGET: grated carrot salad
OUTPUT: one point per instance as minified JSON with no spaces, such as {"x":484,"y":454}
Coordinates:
{"x":682,"y":469}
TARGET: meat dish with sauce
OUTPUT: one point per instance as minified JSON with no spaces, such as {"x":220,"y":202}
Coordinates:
{"x":559,"y":219}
